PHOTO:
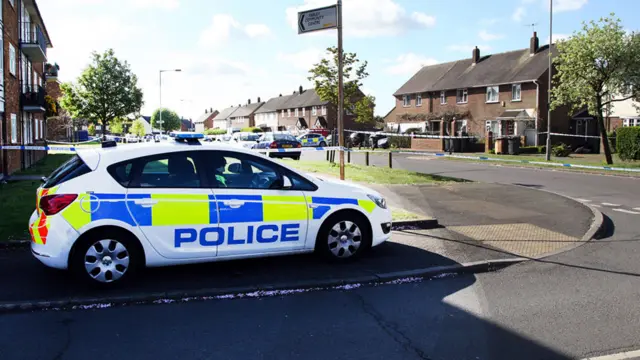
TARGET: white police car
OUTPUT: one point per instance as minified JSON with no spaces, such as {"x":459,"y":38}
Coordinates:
{"x":109,"y":211}
{"x":312,"y":140}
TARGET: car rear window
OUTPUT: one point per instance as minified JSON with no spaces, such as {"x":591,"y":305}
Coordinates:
{"x":72,"y":168}
{"x":284,"y":137}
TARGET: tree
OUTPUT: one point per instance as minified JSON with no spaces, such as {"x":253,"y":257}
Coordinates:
{"x":106,"y":89}
{"x":92,"y":129}
{"x":170,"y":120}
{"x":116,"y":126}
{"x":325,"y":78}
{"x":137,"y":128}
{"x":597,"y":67}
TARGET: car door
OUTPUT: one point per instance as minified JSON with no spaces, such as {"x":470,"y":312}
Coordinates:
{"x":256,"y":214}
{"x":174,"y":207}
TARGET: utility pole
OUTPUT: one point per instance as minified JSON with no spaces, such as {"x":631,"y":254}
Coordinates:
{"x":548,"y":150}
{"x":340,"y":92}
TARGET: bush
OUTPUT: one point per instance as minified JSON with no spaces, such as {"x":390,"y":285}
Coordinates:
{"x":628,"y":143}
{"x":399,"y":142}
{"x":215,"y":132}
{"x":561,"y":150}
{"x":413,"y":131}
{"x":92,"y":130}
{"x":251,"y":130}
{"x":533,"y":149}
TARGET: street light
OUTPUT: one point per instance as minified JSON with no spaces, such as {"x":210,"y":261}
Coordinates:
{"x":161,"y":71}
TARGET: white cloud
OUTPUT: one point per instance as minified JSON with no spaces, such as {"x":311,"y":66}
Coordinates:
{"x":369,"y":18}
{"x":223,"y":27}
{"x":489,"y":22}
{"x":557,"y":37}
{"x":409,"y":63}
{"x":303,"y":60}
{"x":566,"y":5}
{"x":162,"y":4}
{"x":486,"y":36}
{"x":519,"y":14}
{"x":467,"y":48}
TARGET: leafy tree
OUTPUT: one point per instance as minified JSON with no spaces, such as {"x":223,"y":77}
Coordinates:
{"x":137,"y":128}
{"x":170,"y":120}
{"x":106,"y":89}
{"x":325,"y":78}
{"x":116,"y":126}
{"x":597,"y":67}
{"x":92,"y":129}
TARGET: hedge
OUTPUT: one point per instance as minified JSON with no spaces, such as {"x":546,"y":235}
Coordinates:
{"x":251,"y":130}
{"x":215,"y":132}
{"x":628,"y":143}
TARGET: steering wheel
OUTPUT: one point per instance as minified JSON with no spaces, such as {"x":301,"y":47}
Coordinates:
{"x":261,"y":181}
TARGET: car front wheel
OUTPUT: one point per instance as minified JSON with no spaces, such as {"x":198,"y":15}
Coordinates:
{"x":344,"y":237}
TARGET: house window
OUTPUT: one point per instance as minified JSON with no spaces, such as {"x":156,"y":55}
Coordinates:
{"x":443,"y":97}
{"x":37,"y":129}
{"x":288,"y":112}
{"x":434,"y":127}
{"x":406,"y":100}
{"x":12,"y":2}
{"x":515,"y":92}
{"x":14,"y":128}
{"x":418,"y":100}
{"x":296,"y":111}
{"x":314,"y":110}
{"x":303,"y":111}
{"x":492,"y":94}
{"x":461,"y":126}
{"x":12,"y":60}
{"x":492,"y":125}
{"x":631,"y":122}
{"x":462,"y":96}
{"x":282,"y":113}
{"x":324,"y":110}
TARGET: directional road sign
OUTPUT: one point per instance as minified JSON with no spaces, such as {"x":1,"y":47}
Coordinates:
{"x":318,"y":19}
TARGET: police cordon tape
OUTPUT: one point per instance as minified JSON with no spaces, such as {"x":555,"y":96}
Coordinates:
{"x":411,"y":135}
{"x":337,"y":148}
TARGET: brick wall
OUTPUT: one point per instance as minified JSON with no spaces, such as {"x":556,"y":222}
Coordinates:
{"x":427,"y":144}
{"x":11,"y":86}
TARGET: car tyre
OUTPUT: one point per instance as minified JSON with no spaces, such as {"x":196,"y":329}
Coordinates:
{"x":106,"y":261}
{"x":344,"y":237}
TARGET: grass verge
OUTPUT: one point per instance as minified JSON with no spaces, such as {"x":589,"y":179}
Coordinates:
{"x":19,"y":198}
{"x":369,"y":174}
{"x":401,"y":214}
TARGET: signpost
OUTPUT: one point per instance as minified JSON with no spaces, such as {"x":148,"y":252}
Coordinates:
{"x":329,"y":17}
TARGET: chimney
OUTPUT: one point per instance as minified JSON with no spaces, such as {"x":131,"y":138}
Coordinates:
{"x":280,"y":95}
{"x":248,"y":101}
{"x":534,"y":44}
{"x":300,"y":88}
{"x":475,"y":55}
{"x":258,"y":99}
{"x":211,"y":110}
{"x":206,"y":111}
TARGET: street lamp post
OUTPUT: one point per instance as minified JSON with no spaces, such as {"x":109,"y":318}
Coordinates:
{"x":160,"y":110}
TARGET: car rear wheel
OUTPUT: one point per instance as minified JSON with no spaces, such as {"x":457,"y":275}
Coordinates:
{"x":105,"y":261}
{"x":343,"y":237}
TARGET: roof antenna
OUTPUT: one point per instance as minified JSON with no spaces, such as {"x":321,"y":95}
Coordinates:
{"x":533,"y":26}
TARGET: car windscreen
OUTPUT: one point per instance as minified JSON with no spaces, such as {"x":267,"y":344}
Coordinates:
{"x":285,"y":137}
{"x":249,"y":137}
{"x":72,"y":168}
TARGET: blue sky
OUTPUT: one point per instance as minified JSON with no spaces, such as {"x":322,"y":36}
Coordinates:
{"x":231,"y":51}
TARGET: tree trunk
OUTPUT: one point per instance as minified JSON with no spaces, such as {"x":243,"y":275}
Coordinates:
{"x":603,"y":133}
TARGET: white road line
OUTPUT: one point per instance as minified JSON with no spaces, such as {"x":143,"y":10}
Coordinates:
{"x":618,"y":356}
{"x":610,"y":204}
{"x":595,"y":205}
{"x":637,"y":209}
{"x":627,"y":211}
{"x":584,"y":200}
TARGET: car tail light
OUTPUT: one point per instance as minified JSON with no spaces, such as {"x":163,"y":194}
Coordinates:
{"x":273,"y":145}
{"x":53,"y":204}
{"x":298,"y":145}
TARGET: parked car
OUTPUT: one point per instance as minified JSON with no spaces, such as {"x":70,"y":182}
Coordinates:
{"x":312,"y":140}
{"x":245,"y":139}
{"x":131,"y":138}
{"x":272,"y":140}
{"x":378,"y":141}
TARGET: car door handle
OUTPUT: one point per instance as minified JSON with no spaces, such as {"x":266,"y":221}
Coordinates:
{"x":145,"y":202}
{"x":234,"y":204}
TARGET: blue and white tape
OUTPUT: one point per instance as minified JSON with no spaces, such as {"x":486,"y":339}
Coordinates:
{"x":72,"y":149}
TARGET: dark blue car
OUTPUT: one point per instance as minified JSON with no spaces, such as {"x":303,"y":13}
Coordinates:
{"x":272,"y":140}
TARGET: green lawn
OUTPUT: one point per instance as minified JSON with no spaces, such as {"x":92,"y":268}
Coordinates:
{"x":369,"y":174}
{"x":401,"y":214}
{"x":19,"y":198}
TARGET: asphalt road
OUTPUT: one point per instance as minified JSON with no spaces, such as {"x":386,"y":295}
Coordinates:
{"x":578,"y":304}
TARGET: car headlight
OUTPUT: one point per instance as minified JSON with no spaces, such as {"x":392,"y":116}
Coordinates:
{"x":380,"y":201}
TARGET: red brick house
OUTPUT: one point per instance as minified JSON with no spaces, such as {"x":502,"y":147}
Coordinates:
{"x":205,"y":121}
{"x":244,"y":116}
{"x":504,"y":93}
{"x":22,"y":104}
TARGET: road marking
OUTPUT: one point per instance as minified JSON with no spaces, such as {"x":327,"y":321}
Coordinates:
{"x":610,"y":204}
{"x":618,"y":356}
{"x":584,"y":200}
{"x":596,"y":205}
{"x":627,"y":211}
{"x":637,"y":209}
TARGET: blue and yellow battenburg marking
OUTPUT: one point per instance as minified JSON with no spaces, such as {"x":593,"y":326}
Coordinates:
{"x":200,"y":209}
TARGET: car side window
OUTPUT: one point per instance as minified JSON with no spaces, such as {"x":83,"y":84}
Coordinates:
{"x":173,"y":170}
{"x":121,"y":172}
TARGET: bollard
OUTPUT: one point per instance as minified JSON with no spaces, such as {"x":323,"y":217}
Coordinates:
{"x":390,"y":161}
{"x":348,"y":157}
{"x":366,"y":158}
{"x":327,"y":154}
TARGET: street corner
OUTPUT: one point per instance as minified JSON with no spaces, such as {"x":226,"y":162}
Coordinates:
{"x":29,"y":286}
{"x":516,"y":220}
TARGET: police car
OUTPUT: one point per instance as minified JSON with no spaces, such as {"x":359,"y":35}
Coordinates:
{"x":112,"y":210}
{"x":313,"y":140}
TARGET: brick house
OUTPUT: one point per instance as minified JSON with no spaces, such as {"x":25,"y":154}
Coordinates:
{"x":504,"y":93}
{"x":622,"y":114}
{"x":266,"y":117}
{"x":205,"y":121}
{"x":22,"y":99}
{"x":244,"y":116}
{"x":221,"y":121}
{"x":186,"y":125}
